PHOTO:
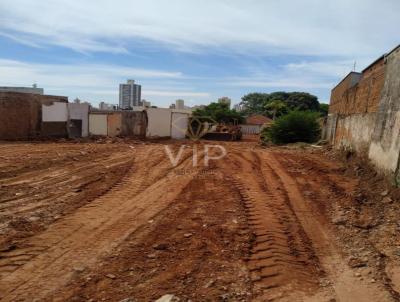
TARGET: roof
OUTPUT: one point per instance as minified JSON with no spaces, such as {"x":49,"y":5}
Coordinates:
{"x":349,"y":74}
{"x":257,"y":119}
{"x":370,"y":65}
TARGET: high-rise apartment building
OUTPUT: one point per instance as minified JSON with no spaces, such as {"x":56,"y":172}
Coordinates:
{"x":129,"y":94}
{"x":180,"y":104}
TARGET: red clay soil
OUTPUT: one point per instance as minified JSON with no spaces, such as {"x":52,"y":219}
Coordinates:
{"x":274,"y":224}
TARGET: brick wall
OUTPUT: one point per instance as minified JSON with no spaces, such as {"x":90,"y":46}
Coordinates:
{"x":21,"y":114}
{"x":359,"y":94}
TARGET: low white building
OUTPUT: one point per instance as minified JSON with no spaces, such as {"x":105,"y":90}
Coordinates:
{"x":166,"y":122}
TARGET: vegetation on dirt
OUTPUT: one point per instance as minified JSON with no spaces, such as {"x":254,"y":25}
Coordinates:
{"x":296,"y":126}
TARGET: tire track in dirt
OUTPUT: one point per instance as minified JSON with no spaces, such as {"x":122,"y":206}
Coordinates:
{"x":281,"y":260}
{"x":40,"y":183}
{"x":214,"y":252}
{"x":47,"y":260}
{"x":347,"y":287}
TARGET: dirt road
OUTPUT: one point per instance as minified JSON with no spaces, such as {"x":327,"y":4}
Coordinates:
{"x":119,"y":221}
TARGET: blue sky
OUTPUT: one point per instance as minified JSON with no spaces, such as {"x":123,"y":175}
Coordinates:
{"x":194,"y":50}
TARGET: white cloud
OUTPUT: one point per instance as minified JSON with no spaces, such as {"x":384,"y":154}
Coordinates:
{"x":282,"y":83}
{"x":177,"y":94}
{"x":93,"y":81}
{"x":331,"y":27}
{"x":303,"y":75}
{"x":87,"y":75}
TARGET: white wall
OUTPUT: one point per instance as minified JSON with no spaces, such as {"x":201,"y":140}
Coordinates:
{"x":80,"y":112}
{"x":159,"y":122}
{"x":179,"y":125}
{"x":57,"y":112}
{"x":98,"y":124}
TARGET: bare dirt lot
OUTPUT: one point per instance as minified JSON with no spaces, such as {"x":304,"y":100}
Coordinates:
{"x":116,"y":221}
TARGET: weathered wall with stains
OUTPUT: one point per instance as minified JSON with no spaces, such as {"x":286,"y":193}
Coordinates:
{"x":354,"y":131}
{"x":21,"y":116}
{"x":118,"y":123}
{"x":366,"y":116}
{"x":114,"y":124}
{"x":354,"y":102}
{"x":385,"y":145}
{"x":134,"y":123}
{"x":98,"y":124}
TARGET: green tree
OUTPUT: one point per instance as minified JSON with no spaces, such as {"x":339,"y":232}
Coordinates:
{"x":275,"y":108}
{"x":219,"y":112}
{"x":302,"y":101}
{"x":254,"y":102}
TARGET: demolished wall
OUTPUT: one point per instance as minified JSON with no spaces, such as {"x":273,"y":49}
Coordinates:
{"x":118,"y":123}
{"x":78,"y":112}
{"x":54,"y":119}
{"x":21,"y":115}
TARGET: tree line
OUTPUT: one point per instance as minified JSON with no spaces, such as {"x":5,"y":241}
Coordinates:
{"x":273,"y":105}
{"x":280,"y":103}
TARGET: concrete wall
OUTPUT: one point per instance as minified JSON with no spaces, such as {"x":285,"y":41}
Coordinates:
{"x":97,"y":124}
{"x":329,"y":129}
{"x":134,"y":123}
{"x":159,"y":122}
{"x":164,"y":122}
{"x":385,"y":146}
{"x":21,"y":116}
{"x":354,"y":131}
{"x":80,"y":112}
{"x":367,"y":116}
{"x":55,"y":112}
{"x":114,"y":124}
{"x":118,"y":123}
{"x":179,"y":125}
{"x":54,"y":120}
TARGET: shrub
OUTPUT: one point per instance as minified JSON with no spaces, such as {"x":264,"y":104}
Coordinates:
{"x":296,"y":126}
